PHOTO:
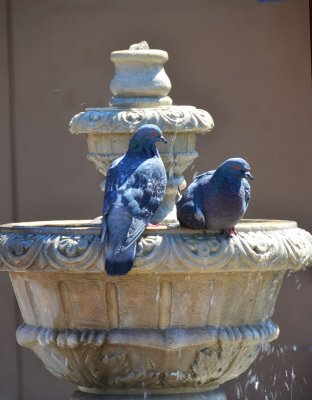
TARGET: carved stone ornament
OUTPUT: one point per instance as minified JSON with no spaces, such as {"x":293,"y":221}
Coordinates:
{"x":175,"y":359}
{"x":73,"y":247}
{"x":170,"y":120}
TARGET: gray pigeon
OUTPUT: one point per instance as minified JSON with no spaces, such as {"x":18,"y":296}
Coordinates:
{"x":135,"y":186}
{"x":217,"y":199}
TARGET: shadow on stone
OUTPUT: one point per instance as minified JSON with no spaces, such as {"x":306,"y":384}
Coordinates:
{"x":211,"y":395}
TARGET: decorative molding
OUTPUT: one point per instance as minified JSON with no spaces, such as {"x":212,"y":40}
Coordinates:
{"x":165,"y":339}
{"x":101,"y":359}
{"x":71,"y":249}
{"x":177,"y":119}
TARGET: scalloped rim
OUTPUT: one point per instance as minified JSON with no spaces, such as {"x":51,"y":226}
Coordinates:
{"x":66,"y":226}
{"x":167,"y":339}
{"x":93,"y":115}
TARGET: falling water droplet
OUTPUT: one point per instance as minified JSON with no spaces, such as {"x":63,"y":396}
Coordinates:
{"x":171,"y":155}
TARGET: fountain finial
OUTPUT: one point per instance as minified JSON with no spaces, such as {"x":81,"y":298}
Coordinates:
{"x":140,"y":79}
{"x":143,"y":45}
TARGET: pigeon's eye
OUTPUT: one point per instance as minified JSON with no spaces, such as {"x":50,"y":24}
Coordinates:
{"x":154,"y":133}
{"x":237,"y":167}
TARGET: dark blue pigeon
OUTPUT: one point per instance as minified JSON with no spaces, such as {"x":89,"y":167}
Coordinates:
{"x":217,"y":199}
{"x":135,"y":186}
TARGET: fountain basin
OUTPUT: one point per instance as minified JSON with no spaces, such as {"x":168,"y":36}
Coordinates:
{"x":192,"y":313}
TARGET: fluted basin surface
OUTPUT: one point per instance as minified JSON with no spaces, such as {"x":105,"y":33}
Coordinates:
{"x":192,"y":313}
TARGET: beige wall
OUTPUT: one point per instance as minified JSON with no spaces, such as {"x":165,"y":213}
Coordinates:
{"x":246,"y":62}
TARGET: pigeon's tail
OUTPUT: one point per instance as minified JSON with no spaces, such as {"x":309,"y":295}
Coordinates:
{"x":190,"y":216}
{"x":120,"y":263}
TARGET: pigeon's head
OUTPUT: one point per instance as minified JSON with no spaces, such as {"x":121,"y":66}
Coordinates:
{"x":236,"y":167}
{"x":151,"y":133}
{"x":144,"y":140}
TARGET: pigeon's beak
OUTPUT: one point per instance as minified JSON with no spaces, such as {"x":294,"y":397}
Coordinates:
{"x":249,"y":176}
{"x":163,"y":139}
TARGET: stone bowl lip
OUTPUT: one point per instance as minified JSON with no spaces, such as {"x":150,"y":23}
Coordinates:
{"x":150,"y":56}
{"x":136,"y":109}
{"x":159,"y":108}
{"x":85,"y":227}
{"x":181,"y":119}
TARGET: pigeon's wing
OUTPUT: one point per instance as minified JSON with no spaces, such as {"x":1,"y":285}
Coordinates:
{"x":190,"y":215}
{"x":135,"y":231}
{"x":134,"y":189}
{"x":199,"y":181}
{"x":207,"y":174}
{"x":141,"y":197}
{"x":247,"y":192}
{"x":116,"y":176}
{"x":123,"y":229}
{"x":190,"y":207}
{"x":123,"y":232}
{"x":192,"y":193}
{"x":118,"y":262}
{"x":114,"y":179}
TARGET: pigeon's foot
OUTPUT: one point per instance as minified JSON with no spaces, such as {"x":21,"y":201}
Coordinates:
{"x":233,"y":231}
{"x":159,"y":225}
{"x":229,"y":233}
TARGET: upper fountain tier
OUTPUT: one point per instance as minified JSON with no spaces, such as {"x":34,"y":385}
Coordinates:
{"x":140,"y":79}
{"x":140,"y":90}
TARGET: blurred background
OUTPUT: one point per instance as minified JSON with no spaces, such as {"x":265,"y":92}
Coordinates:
{"x":247,"y":62}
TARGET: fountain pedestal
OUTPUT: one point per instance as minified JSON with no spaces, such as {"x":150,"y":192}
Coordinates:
{"x":195,"y":309}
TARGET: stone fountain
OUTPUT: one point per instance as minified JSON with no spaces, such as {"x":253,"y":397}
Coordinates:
{"x":194,"y":311}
